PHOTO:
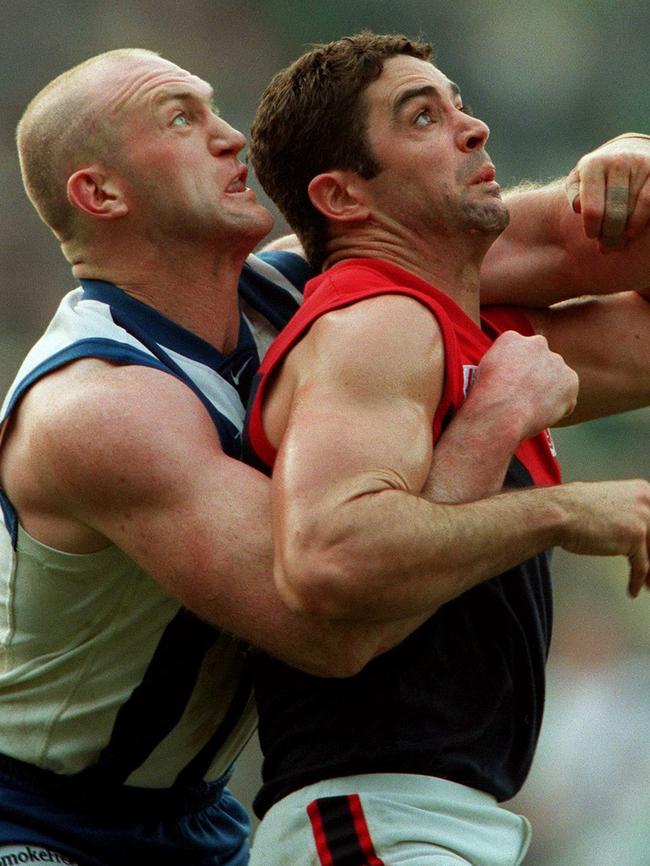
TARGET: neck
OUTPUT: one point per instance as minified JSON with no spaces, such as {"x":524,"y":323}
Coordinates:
{"x":450,"y":264}
{"x":198,"y":290}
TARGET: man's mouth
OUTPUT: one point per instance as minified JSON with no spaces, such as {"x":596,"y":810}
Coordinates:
{"x":238,"y":184}
{"x":486,"y":174}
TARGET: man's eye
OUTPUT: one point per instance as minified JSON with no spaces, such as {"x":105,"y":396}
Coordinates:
{"x":466,"y":109}
{"x":423,"y":118}
{"x":180,"y":120}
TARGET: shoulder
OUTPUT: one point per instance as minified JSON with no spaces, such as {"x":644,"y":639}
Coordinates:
{"x":392,"y":340}
{"x":284,"y":244}
{"x":93,"y":420}
{"x":386,"y":319}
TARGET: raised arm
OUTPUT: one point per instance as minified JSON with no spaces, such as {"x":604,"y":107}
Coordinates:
{"x":553,"y":249}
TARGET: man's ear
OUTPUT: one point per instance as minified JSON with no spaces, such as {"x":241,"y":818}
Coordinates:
{"x":338,"y":195}
{"x":94,"y":192}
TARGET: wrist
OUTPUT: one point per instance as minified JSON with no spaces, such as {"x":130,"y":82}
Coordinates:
{"x":622,"y":136}
{"x":498,"y":421}
{"x":564,"y":501}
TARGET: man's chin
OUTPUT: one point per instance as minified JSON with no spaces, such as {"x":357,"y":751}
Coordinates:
{"x":488,"y":219}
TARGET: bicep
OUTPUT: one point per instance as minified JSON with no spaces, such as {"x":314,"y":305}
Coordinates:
{"x":149,"y":475}
{"x":359,"y":421}
{"x":338,"y":446}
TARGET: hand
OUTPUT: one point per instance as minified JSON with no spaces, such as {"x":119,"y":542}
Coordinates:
{"x":610,"y":518}
{"x":610,"y":187}
{"x":520,"y":379}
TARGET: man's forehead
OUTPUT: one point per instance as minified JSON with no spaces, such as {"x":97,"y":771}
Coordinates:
{"x":404,"y":72}
{"x":144,"y":77}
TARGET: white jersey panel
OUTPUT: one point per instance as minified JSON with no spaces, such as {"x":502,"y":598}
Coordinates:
{"x":102,"y":674}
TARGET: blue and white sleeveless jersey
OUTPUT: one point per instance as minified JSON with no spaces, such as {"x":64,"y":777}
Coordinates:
{"x":102,"y":674}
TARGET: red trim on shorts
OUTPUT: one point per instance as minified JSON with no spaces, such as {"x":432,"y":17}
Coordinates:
{"x":363,"y":833}
{"x":324,"y":854}
{"x":341,"y":833}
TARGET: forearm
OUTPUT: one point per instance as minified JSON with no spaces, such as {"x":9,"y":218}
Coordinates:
{"x":554,"y":261}
{"x":236,"y":592}
{"x":420,"y":554}
{"x":471,"y":459}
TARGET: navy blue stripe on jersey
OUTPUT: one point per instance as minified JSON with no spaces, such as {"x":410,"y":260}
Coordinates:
{"x":273,"y":302}
{"x":291,"y":265}
{"x":240,"y":367}
{"x":138,"y":319}
{"x":156,"y":705}
{"x":340,"y":832}
{"x":10,"y":518}
{"x":127,"y":313}
{"x":198,"y":766}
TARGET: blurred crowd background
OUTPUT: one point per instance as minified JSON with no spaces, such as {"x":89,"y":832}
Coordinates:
{"x":553,"y":79}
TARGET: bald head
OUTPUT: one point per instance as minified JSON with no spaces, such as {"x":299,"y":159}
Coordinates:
{"x":64,"y":127}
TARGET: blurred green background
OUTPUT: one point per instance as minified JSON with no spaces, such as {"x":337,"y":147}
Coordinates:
{"x":552,"y":80}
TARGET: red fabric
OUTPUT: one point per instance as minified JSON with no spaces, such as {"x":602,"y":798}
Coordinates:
{"x":322,"y":848}
{"x":362,"y":831}
{"x":465,"y":344}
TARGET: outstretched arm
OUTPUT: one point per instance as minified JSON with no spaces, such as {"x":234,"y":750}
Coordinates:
{"x":559,"y":235}
{"x":606,"y":339}
{"x":585,"y":235}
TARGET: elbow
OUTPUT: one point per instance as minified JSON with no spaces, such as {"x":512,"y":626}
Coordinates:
{"x":341,"y":663}
{"x":319,"y":587}
{"x":317,"y":583}
{"x":339,"y":650}
{"x":349,"y":662}
{"x":343,"y":649}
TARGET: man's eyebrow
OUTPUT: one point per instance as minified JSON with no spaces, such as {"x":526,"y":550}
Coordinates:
{"x":183,"y":96}
{"x":415,"y":92}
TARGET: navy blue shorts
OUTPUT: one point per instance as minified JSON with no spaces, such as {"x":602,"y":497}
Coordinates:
{"x":46,"y":818}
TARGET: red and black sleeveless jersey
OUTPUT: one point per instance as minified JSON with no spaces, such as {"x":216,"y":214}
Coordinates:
{"x":462,"y":697}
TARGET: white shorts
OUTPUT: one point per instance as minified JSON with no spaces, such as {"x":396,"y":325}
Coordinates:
{"x":389,"y":819}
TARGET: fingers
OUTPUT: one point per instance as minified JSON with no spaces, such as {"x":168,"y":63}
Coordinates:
{"x":542,"y":388}
{"x":639,"y":570}
{"x":610,"y":188}
{"x":617,"y":195}
{"x":639,"y":208}
{"x":603,"y":202}
{"x":639,"y":555}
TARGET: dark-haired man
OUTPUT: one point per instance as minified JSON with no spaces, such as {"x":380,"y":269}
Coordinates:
{"x":383,"y":174}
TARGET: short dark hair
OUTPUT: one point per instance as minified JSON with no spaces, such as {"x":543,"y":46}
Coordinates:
{"x":312,"y":118}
